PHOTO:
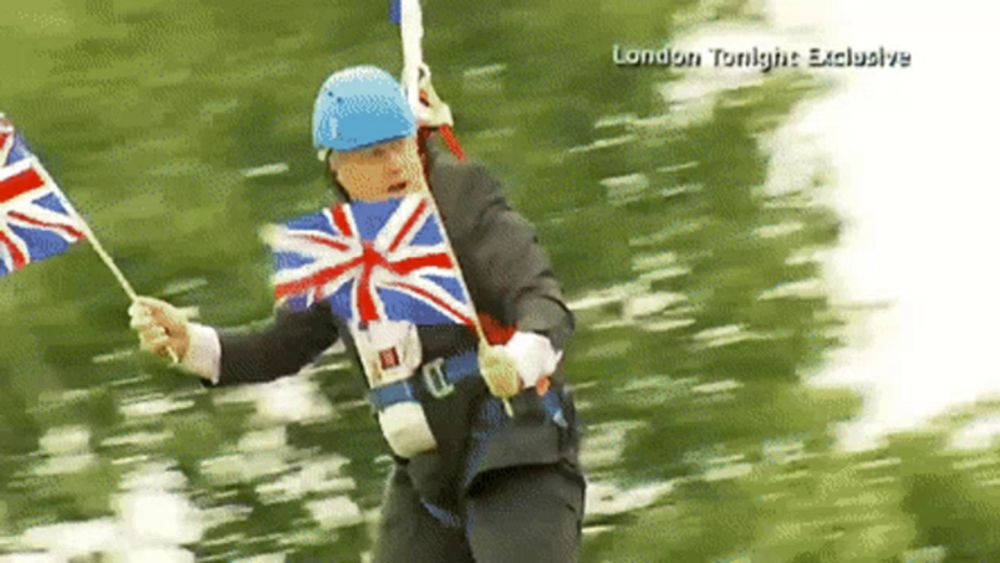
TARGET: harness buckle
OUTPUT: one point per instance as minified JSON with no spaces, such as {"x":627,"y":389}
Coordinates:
{"x":435,"y":380}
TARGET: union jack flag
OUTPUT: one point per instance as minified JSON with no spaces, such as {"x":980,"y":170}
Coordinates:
{"x":36,"y":221}
{"x":385,"y":260}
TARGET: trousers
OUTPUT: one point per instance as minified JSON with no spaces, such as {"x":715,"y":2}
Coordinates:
{"x":522,"y":514}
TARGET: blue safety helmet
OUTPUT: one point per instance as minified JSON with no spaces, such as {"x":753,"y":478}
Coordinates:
{"x":360,"y":106}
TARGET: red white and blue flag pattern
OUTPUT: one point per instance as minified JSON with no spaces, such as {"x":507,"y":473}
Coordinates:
{"x":384,"y":260}
{"x":35,"y":220}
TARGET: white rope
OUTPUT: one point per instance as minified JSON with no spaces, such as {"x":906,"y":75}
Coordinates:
{"x":412,"y":31}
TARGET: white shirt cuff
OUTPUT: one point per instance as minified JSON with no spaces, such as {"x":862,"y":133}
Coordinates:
{"x":204,"y":352}
{"x":534,"y":356}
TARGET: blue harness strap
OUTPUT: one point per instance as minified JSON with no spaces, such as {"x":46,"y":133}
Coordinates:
{"x":437,"y":377}
{"x":398,"y":392}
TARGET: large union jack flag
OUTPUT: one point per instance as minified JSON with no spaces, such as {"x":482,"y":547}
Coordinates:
{"x":385,"y":260}
{"x":35,"y":220}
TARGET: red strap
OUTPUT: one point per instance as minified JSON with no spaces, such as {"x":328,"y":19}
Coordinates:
{"x":495,"y":331}
{"x":448,"y":136}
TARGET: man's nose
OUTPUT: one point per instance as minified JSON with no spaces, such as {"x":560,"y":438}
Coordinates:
{"x":395,"y":160}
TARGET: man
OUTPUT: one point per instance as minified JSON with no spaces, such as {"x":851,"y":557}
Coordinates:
{"x":471,"y":481}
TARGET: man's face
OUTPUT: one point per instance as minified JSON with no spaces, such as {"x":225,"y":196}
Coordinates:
{"x":382,"y":171}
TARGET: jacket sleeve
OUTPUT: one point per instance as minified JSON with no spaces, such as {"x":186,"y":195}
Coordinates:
{"x":506,"y":266}
{"x":283,"y":347}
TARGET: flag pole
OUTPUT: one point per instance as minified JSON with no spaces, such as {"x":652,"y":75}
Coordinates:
{"x":411,"y":30}
{"x":480,"y":333}
{"x":99,"y":248}
{"x":108,"y":261}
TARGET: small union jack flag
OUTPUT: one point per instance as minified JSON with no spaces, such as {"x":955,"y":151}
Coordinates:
{"x":385,"y":260}
{"x":36,"y":222}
